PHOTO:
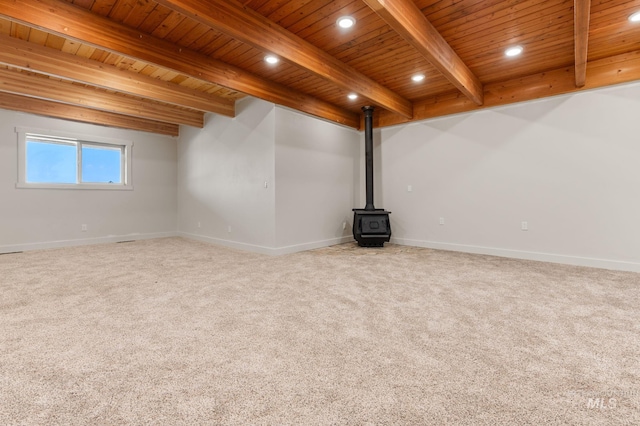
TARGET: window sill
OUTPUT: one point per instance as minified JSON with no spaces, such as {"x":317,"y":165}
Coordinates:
{"x":82,"y":186}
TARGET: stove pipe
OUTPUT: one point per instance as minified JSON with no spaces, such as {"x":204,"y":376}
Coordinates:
{"x":371,"y":226}
{"x":368,"y":149}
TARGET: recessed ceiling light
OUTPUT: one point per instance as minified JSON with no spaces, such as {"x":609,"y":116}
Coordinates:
{"x":417,"y":78}
{"x":635,"y":17}
{"x":270,"y":59}
{"x":352,"y":96}
{"x":346,"y":22}
{"x":513,"y":51}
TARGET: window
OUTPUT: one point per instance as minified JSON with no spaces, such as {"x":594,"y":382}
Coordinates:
{"x":53,"y":160}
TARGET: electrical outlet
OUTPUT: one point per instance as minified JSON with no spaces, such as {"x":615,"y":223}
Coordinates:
{"x":229,"y":229}
{"x":83,"y":228}
{"x":524,"y":226}
{"x":199,"y":224}
{"x":409,"y":188}
{"x":442,"y":221}
{"x":344,"y":225}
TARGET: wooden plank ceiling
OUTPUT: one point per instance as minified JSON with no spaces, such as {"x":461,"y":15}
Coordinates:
{"x":156,"y":65}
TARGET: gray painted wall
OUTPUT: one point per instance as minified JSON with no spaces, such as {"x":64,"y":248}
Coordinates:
{"x":568,"y":166}
{"x":43,"y":218}
{"x":317,"y":176}
{"x":222,"y":170}
{"x":310,"y":169}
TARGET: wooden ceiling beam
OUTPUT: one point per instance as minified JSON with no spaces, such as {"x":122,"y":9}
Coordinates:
{"x":29,"y":56}
{"x":13,"y":102}
{"x":405,"y":18}
{"x":248,"y":26}
{"x":69,"y":21}
{"x":21,"y":83}
{"x":623,"y":68}
{"x":581,"y":15}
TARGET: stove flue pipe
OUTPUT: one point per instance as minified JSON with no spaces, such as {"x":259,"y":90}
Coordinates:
{"x":368,"y":149}
{"x":371,"y":226}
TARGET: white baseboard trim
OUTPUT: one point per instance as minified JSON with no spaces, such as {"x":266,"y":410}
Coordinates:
{"x":277,"y":251}
{"x":272,"y":251}
{"x":618,"y":265}
{"x":83,"y":242}
{"x":313,"y":245}
{"x":226,"y":243}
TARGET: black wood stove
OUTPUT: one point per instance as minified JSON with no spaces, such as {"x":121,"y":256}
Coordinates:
{"x":371,"y":226}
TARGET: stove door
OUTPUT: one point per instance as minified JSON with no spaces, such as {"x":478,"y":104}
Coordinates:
{"x":375,"y":224}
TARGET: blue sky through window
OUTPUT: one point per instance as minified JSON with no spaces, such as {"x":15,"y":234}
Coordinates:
{"x":57,"y":162}
{"x":51,"y":162}
{"x":101,"y":164}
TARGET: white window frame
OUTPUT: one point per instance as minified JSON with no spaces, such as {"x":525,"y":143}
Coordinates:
{"x":88,"y":140}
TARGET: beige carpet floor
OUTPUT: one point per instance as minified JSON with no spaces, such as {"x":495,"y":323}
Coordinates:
{"x":177,"y":332}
